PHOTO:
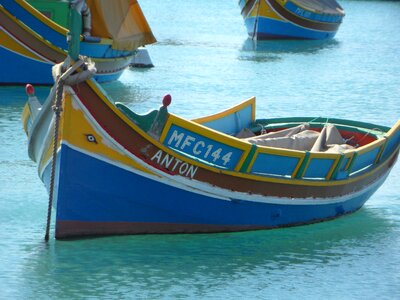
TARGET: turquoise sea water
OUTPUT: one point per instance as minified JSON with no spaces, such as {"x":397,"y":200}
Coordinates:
{"x":205,"y":62}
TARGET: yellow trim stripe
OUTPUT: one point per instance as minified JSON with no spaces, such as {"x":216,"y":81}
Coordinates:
{"x":265,"y":11}
{"x":82,"y":128}
{"x":12,"y":45}
{"x":33,"y":33}
{"x":371,"y":146}
{"x":250,"y":102}
{"x":393,"y":130}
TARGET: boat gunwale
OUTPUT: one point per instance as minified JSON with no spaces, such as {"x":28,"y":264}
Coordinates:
{"x":246,"y":103}
{"x":215,"y":169}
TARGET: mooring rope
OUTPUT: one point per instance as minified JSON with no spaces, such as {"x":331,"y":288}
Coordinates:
{"x":57,"y":108}
{"x":63,"y":78}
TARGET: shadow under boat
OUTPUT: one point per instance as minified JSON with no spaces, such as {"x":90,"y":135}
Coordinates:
{"x":228,"y":254}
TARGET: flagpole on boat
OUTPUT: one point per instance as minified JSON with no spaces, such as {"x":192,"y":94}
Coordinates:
{"x":73,"y":39}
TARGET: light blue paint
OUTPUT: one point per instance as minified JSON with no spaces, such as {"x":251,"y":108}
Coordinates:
{"x":364,"y":160}
{"x":232,"y":123}
{"x":342,"y":173}
{"x":391,"y":143}
{"x":203,"y":148}
{"x":318,"y":168}
{"x":274,"y":164}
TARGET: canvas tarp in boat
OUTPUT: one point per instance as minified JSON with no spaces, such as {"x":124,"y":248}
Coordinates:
{"x":303,"y":139}
{"x":296,"y":138}
{"x":122,"y":21}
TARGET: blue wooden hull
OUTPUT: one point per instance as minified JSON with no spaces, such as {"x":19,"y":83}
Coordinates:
{"x":28,"y":38}
{"x":267,"y":28}
{"x":97,"y":196}
{"x":272,"y":19}
{"x":22,"y":70}
{"x":95,"y":50}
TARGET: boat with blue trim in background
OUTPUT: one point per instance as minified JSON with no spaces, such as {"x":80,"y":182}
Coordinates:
{"x":291,"y":19}
{"x":33,"y":37}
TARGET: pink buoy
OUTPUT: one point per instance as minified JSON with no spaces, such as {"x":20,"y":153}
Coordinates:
{"x":167,"y":100}
{"x":30,"y":90}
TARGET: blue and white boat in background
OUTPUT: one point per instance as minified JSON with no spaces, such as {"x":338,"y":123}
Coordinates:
{"x":33,"y":37}
{"x":291,"y":19}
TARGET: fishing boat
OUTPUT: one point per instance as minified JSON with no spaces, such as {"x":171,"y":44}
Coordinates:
{"x":291,"y":19}
{"x":118,"y":172}
{"x":33,"y":37}
{"x":109,"y":170}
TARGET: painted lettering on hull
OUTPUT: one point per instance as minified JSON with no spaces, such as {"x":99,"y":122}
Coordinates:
{"x":174,"y":164}
{"x":203,"y":148}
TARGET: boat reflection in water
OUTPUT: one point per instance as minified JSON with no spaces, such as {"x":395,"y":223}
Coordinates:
{"x":289,"y":46}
